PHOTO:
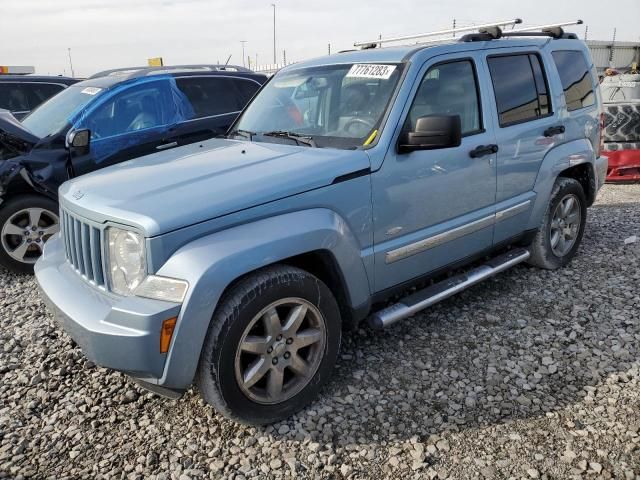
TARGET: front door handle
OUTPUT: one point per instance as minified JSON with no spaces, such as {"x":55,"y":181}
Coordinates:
{"x":482,"y":150}
{"x":167,"y":145}
{"x":551,"y":131}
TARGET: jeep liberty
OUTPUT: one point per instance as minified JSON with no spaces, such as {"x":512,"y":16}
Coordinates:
{"x":236,"y":263}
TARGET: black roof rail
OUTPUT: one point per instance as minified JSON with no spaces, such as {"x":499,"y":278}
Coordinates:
{"x":135,"y":72}
{"x":555,"y":33}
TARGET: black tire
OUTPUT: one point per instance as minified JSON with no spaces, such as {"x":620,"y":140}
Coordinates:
{"x":237,"y":311}
{"x":7,"y":210}
{"x":542,"y":253}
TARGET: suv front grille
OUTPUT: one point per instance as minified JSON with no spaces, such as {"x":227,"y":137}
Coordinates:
{"x":83,"y":247}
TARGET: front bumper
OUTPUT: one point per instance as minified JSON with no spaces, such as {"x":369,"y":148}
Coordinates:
{"x":121,"y":333}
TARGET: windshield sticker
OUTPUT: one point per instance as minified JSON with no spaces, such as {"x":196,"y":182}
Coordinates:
{"x":370,"y":70}
{"x":91,"y":90}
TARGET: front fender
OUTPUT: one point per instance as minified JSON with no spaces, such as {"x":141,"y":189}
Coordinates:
{"x":212,"y":263}
{"x":557,"y":160}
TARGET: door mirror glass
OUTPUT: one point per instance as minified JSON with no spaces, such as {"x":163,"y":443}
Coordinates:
{"x":432,"y":132}
{"x":78,"y":141}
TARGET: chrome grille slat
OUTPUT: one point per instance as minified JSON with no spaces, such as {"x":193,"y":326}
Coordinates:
{"x":83,"y":247}
{"x":78,"y":245}
{"x":86,"y":250}
{"x":96,"y":255}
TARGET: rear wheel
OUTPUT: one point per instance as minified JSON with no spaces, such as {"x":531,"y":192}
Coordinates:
{"x":26,"y":223}
{"x":560,"y":234}
{"x":271,"y":345}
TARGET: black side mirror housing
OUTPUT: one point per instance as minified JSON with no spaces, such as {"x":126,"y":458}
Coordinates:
{"x":79,"y":141}
{"x":432,"y":132}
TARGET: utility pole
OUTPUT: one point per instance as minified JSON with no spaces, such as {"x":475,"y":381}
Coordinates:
{"x":454,"y":28}
{"x":329,"y":46}
{"x":243,"y":42}
{"x":274,"y":32}
{"x":284,"y":57}
{"x":586,"y":32}
{"x":70,"y":62}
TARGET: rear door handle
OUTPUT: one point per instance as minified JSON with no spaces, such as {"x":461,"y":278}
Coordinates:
{"x":482,"y":150}
{"x":167,"y":145}
{"x":551,"y":131}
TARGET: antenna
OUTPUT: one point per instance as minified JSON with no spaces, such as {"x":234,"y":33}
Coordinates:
{"x":380,"y":41}
{"x":227,"y":62}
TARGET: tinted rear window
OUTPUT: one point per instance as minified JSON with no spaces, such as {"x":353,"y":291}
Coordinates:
{"x":211,"y":95}
{"x":38,"y":93}
{"x":520,"y":88}
{"x":13,"y":97}
{"x":575,"y":77}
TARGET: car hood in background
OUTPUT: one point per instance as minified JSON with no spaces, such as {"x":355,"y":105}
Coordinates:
{"x":177,"y":188}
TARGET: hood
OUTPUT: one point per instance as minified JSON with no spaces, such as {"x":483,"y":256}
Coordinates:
{"x":177,"y":188}
{"x":15,"y":139}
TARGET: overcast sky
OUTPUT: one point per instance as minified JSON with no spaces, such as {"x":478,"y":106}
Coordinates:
{"x":115,"y":33}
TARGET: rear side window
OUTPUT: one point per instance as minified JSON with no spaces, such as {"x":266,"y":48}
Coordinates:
{"x":575,"y":77}
{"x":211,"y":95}
{"x":520,"y":88}
{"x":13,"y":97}
{"x":38,"y":93}
{"x":247,"y":89}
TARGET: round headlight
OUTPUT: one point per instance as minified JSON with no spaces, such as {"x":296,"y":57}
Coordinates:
{"x":126,"y":260}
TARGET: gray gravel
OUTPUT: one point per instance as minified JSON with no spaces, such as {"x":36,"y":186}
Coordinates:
{"x":533,"y":374}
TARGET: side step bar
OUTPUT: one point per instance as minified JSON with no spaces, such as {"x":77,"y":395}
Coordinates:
{"x":434,"y":293}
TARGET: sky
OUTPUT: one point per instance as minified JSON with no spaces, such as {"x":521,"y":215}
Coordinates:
{"x":121,"y":33}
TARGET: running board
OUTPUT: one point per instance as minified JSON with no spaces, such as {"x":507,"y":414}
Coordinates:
{"x":434,"y":293}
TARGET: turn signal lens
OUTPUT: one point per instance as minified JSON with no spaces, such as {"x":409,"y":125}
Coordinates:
{"x":166,"y":333}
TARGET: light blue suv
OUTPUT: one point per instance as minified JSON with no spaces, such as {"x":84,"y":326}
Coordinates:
{"x":235,"y":263}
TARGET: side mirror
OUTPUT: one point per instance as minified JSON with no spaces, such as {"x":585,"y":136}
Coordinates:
{"x":78,"y":141}
{"x":432,"y":132}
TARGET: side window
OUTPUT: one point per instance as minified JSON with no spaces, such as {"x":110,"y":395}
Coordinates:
{"x":13,"y":97}
{"x":137,"y":108}
{"x":575,"y":77}
{"x":210,"y":95}
{"x":448,"y":89}
{"x":247,"y":90}
{"x":520,"y":88}
{"x":38,"y":93}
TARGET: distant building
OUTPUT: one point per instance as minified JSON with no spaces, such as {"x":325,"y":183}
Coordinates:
{"x":618,"y":55}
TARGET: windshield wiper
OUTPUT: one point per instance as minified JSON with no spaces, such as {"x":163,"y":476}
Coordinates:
{"x":243,"y":133}
{"x":297,"y":137}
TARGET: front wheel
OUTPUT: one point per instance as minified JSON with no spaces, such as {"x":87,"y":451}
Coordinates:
{"x":271,"y":345}
{"x":560,"y":234}
{"x":26,"y":223}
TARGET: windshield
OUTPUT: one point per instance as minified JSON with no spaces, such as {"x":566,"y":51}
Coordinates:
{"x":340,"y":106}
{"x":50,"y":117}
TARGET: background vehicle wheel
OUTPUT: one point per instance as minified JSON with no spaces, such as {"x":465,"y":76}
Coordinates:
{"x":559,"y":236}
{"x":26,"y":222}
{"x":270,"y":347}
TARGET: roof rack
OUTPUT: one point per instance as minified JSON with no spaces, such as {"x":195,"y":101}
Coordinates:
{"x":133,"y":72}
{"x":380,"y":41}
{"x":553,"y":30}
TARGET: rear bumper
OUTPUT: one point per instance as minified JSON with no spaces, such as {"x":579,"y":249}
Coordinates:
{"x":121,"y":333}
{"x":624,"y":166}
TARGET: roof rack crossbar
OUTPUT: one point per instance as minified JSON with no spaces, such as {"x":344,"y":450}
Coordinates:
{"x":454,"y":31}
{"x":548,"y":27}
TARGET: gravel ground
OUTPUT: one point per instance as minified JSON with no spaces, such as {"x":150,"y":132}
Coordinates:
{"x":533,"y":374}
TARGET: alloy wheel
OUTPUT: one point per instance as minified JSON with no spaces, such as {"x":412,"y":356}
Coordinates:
{"x":25,"y":232}
{"x":280,"y":350}
{"x":565,"y":225}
